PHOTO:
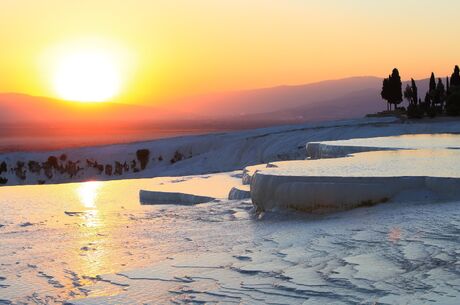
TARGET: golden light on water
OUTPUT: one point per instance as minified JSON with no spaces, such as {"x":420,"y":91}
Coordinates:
{"x":88,"y":192}
{"x":94,"y":231}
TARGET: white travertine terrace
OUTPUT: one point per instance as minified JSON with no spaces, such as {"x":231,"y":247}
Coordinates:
{"x":323,"y":194}
{"x":359,"y":172}
{"x":341,"y":148}
{"x":156,"y":197}
{"x":239,"y":193}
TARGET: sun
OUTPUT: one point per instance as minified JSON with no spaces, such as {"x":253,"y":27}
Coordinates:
{"x":87,"y":75}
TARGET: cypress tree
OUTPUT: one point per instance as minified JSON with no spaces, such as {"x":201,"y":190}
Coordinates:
{"x":396,"y":88}
{"x":391,"y":89}
{"x":453,"y":101}
{"x":447,"y":85}
{"x":455,"y":78}
{"x":453,"y":104}
{"x":430,"y":108}
{"x":440,"y":94}
{"x":440,"y":87}
{"x":409,"y":94}
{"x":414,"y":110}
{"x":385,"y":94}
{"x":414,"y":92}
{"x":432,"y":83}
{"x":427,"y":102}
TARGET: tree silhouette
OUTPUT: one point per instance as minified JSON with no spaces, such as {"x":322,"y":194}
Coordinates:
{"x":440,"y":94}
{"x":453,"y":100}
{"x":414,"y":109}
{"x":396,"y":91}
{"x":453,"y":104}
{"x":435,"y":96}
{"x":432,"y":87}
{"x":427,"y":100}
{"x":447,"y":87}
{"x":414,"y":92}
{"x":391,"y":89}
{"x":385,"y":94}
{"x":428,"y":105}
{"x":408,"y":94}
{"x":440,"y":98}
{"x":455,"y":79}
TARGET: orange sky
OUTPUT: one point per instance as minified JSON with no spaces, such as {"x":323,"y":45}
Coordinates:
{"x":170,"y":49}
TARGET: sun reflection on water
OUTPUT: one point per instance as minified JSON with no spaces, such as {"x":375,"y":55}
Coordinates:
{"x":93,"y":231}
{"x":87,"y":192}
{"x":102,"y":238}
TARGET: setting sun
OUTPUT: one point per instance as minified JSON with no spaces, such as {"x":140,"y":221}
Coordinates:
{"x":87,"y":76}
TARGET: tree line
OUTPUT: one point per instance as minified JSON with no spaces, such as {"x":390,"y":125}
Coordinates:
{"x":440,"y":99}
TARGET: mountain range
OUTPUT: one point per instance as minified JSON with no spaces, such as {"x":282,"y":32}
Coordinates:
{"x":332,"y":99}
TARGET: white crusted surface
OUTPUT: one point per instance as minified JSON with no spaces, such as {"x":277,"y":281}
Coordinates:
{"x":361,"y":178}
{"x":239,"y":193}
{"x":340,"y":148}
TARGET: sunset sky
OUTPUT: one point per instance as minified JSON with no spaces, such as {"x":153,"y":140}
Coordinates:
{"x":164,"y":50}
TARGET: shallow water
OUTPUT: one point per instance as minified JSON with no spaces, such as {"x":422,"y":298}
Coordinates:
{"x":109,"y":249}
{"x":414,"y":141}
{"x":392,"y":163}
{"x":56,"y":239}
{"x":395,"y":254}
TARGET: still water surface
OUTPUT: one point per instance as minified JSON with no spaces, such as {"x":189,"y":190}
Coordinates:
{"x":57,"y":239}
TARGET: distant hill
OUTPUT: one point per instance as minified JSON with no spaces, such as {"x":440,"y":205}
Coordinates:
{"x":327,"y":100}
{"x":332,"y":99}
{"x":354,"y":104}
{"x":279,"y":98}
{"x":21,"y":108}
{"x":351,"y":104}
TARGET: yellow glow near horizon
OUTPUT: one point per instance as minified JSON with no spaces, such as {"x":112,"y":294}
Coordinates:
{"x":87,"y":76}
{"x":188,"y":48}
